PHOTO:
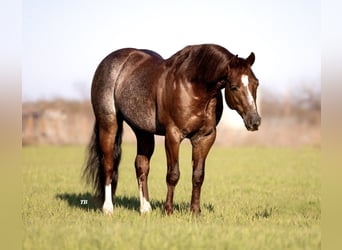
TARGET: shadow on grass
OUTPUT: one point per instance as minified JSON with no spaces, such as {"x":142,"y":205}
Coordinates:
{"x":86,"y":201}
{"x":183,"y":207}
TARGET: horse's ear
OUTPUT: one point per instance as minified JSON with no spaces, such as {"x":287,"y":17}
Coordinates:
{"x":251,"y":59}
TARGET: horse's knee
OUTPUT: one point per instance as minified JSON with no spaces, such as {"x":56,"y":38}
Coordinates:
{"x":197,"y":178}
{"x":172,"y":177}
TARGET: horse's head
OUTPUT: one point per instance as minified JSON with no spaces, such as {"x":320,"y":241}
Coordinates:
{"x":241,"y":89}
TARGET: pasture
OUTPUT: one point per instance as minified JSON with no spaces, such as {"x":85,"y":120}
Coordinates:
{"x":252,"y":198}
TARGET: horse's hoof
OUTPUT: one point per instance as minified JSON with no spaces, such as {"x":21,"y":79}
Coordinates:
{"x":107,"y":209}
{"x":195,"y":210}
{"x":168,"y":210}
{"x":146,"y":210}
{"x":145,"y":207}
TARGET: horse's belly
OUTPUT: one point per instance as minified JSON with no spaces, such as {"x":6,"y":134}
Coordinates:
{"x":140,"y":118}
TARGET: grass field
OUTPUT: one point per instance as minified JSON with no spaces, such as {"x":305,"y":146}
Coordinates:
{"x":252,"y":198}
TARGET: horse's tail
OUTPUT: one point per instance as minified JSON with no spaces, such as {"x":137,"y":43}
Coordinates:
{"x":94,"y":171}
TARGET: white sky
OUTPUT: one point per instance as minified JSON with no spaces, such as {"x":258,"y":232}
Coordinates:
{"x":64,"y":41}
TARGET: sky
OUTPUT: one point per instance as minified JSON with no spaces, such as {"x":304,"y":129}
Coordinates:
{"x":64,"y":41}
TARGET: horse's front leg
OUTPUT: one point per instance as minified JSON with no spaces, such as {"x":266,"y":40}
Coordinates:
{"x":172,"y":142}
{"x":200,"y":148}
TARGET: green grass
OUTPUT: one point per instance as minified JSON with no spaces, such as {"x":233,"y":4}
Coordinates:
{"x":252,"y":198}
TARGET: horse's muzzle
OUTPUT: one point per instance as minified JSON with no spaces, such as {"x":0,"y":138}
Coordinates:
{"x":252,"y":121}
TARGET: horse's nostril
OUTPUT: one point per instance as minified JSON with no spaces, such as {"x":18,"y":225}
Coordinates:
{"x":256,"y":123}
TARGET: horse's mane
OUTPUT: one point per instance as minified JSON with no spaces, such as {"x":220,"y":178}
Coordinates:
{"x":202,"y":63}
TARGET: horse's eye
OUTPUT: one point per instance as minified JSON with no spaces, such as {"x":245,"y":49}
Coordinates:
{"x":233,"y":88}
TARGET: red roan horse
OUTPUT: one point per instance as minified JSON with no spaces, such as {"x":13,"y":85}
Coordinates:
{"x":178,"y":98}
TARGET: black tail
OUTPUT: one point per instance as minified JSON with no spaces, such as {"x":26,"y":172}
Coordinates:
{"x":94,"y":171}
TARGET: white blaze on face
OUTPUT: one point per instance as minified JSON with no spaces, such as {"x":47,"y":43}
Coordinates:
{"x":245,"y":82}
{"x":108,"y":203}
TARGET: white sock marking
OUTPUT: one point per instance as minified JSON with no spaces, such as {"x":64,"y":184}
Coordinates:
{"x":145,"y":206}
{"x":108,"y":203}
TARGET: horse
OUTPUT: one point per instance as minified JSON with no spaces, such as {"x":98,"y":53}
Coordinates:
{"x":179,"y":97}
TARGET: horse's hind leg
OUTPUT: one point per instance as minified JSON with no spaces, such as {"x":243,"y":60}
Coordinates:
{"x":110,"y":130}
{"x":142,"y":166}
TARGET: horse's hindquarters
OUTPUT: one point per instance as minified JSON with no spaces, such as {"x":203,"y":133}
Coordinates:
{"x":135,"y":92}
